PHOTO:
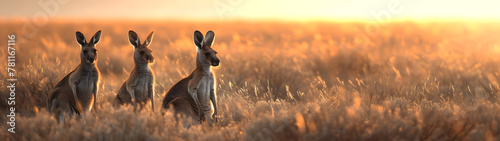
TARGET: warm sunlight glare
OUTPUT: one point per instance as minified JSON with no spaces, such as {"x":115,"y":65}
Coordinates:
{"x":296,"y":10}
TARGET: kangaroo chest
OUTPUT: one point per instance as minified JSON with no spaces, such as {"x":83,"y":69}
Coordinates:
{"x":142,"y":83}
{"x":85,"y":88}
{"x":204,"y":87}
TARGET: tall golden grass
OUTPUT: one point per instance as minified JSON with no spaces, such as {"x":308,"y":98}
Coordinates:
{"x":277,"y":81}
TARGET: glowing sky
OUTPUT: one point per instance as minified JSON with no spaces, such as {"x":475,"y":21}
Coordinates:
{"x":255,"y":9}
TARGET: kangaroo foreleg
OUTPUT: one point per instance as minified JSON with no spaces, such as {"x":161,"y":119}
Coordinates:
{"x":213,"y":98}
{"x":194,"y":95}
{"x":95,"y":93}
{"x":151,"y":95}
{"x":78,"y":106}
{"x":131,"y":91}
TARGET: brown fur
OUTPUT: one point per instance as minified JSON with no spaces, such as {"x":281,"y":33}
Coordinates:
{"x":76,"y":92}
{"x":139,"y":87}
{"x":194,"y":96}
{"x":61,"y":99}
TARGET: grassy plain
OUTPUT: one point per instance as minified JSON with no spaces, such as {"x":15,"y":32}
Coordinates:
{"x":276,"y":81}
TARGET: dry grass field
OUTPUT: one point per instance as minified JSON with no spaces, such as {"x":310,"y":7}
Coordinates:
{"x":276,"y":81}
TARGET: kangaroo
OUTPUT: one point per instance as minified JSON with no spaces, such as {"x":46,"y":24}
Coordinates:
{"x":77,"y":91}
{"x":195,"y":95}
{"x":139,"y":87}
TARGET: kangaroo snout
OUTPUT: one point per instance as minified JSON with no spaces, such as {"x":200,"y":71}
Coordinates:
{"x":216,"y":62}
{"x":150,"y":59}
{"x":90,"y":60}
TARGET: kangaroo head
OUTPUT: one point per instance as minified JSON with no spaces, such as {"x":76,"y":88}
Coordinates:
{"x":142,"y":53}
{"x":206,"y":55}
{"x":88,"y":52}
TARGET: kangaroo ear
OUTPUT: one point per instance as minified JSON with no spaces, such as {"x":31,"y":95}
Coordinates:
{"x":133,"y":39}
{"x":198,"y":38}
{"x":80,"y":39}
{"x":209,"y":38}
{"x":95,"y":39}
{"x":148,"y":40}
